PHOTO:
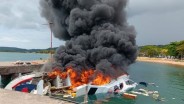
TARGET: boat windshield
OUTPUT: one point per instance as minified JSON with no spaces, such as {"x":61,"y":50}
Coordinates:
{"x":129,"y":82}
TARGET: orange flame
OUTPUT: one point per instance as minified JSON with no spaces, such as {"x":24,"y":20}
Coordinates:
{"x":84,"y":77}
{"x":101,"y":79}
{"x":57,"y":72}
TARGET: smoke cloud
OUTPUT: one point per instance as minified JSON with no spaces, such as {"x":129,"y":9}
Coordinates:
{"x":96,"y":32}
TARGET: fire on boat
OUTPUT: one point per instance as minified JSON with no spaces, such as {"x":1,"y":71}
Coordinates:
{"x":92,"y":82}
{"x":120,"y":85}
{"x":72,"y":84}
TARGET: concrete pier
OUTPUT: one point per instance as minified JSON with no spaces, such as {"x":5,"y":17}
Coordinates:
{"x":7,"y":70}
{"x":14,"y":97}
{"x":10,"y":70}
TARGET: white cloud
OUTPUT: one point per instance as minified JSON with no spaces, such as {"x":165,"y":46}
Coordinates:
{"x":139,"y":7}
{"x":20,"y":14}
{"x":157,"y":21}
{"x":29,"y":39}
{"x":13,"y":39}
{"x":21,"y":23}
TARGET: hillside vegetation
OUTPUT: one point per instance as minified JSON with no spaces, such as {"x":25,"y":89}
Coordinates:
{"x":14,"y":49}
{"x":173,"y":50}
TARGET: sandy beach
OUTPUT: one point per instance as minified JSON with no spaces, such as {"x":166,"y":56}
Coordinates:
{"x":161,"y":60}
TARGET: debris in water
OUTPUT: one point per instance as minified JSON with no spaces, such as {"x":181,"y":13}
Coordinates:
{"x":129,"y":96}
{"x":153,"y":84}
{"x":143,"y":83}
{"x":141,"y":92}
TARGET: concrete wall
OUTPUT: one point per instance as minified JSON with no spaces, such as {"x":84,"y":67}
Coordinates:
{"x":7,"y":70}
{"x":8,"y":73}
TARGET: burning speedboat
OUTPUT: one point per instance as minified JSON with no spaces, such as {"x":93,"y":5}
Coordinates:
{"x":72,"y":84}
{"x":118,"y":86}
{"x":84,"y":83}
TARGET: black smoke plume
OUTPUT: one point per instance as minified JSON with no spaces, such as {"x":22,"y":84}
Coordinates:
{"x":96,"y":32}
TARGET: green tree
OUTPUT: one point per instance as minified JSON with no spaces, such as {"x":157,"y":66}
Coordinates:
{"x":180,"y":49}
{"x":150,"y":51}
{"x":172,"y":49}
{"x":163,"y":52}
{"x":175,"y":49}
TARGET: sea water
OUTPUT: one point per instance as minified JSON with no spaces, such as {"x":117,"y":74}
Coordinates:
{"x":169,"y":81}
{"x":13,"y":56}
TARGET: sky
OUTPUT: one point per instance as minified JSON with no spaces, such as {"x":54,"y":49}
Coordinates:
{"x":156,"y":22}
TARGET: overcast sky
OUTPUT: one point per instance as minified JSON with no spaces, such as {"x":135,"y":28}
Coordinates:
{"x":156,"y":22}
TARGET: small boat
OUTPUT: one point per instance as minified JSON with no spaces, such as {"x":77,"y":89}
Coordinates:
{"x":24,"y":83}
{"x":19,"y":81}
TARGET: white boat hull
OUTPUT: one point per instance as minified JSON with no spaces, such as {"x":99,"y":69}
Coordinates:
{"x":17,"y":81}
{"x":108,"y":88}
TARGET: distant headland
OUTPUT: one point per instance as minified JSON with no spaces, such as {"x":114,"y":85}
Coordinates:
{"x":21,"y":50}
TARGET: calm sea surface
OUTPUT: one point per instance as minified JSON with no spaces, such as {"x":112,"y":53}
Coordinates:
{"x":170,"y":80}
{"x":11,"y":56}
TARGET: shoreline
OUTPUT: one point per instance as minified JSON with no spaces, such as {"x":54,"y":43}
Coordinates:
{"x":141,"y":59}
{"x":161,"y":61}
